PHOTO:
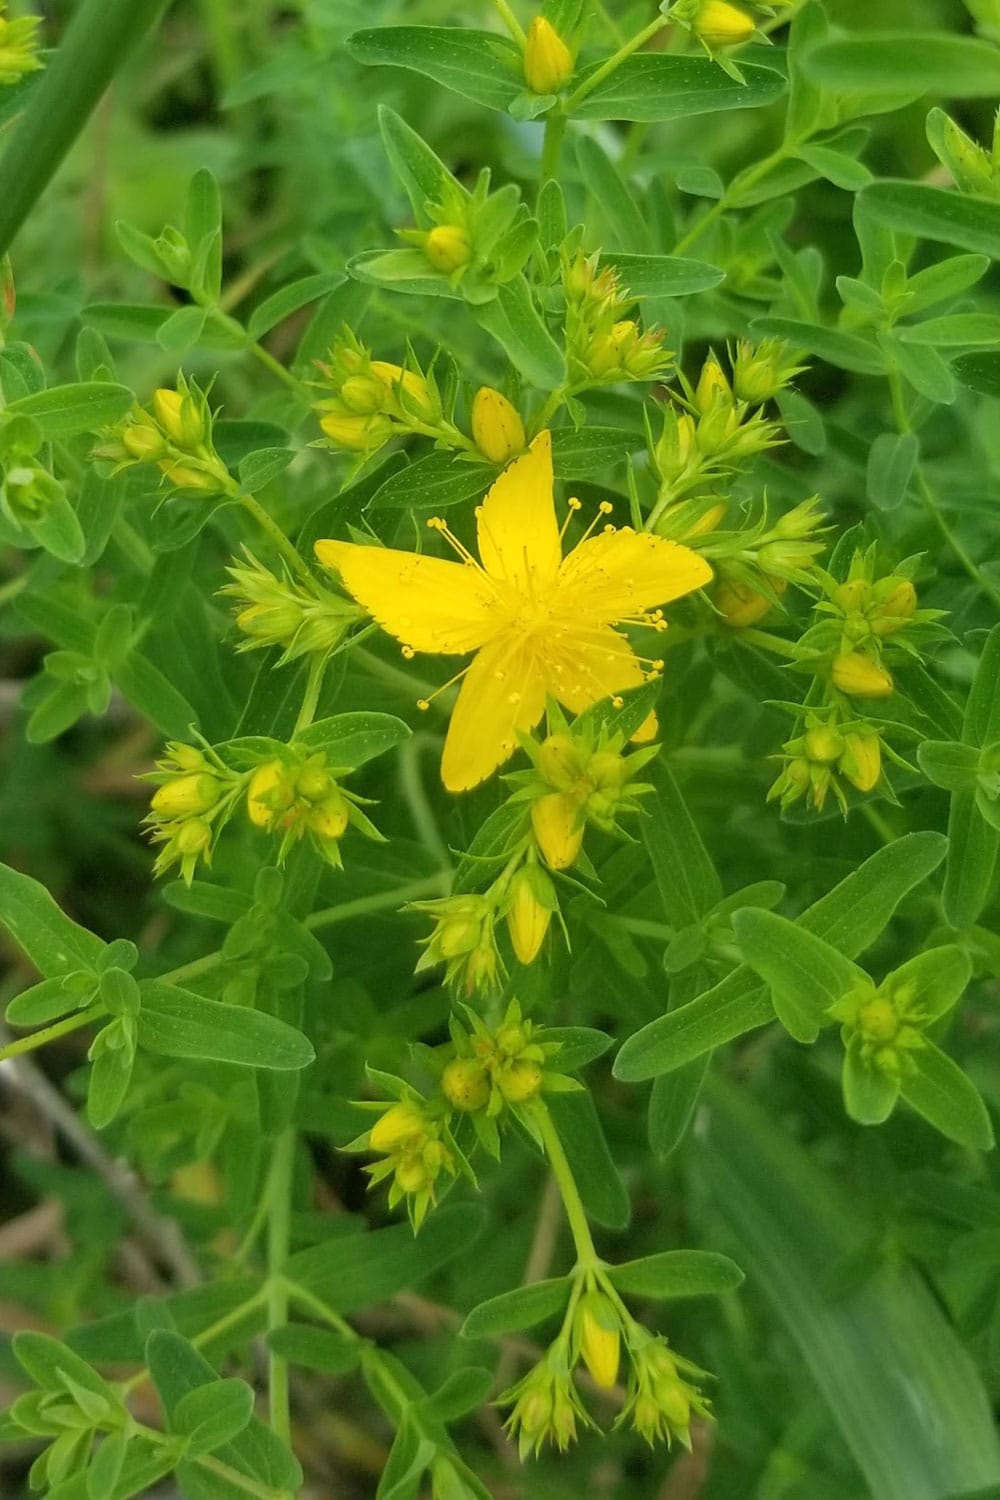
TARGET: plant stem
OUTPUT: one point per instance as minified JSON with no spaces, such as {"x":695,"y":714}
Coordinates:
{"x":276,"y":367}
{"x":739,"y":184}
{"x":217,"y":18}
{"x":555,"y":130}
{"x":280,"y":541}
{"x":314,"y":684}
{"x":615,"y":60}
{"x":98,"y":39}
{"x":509,"y":19}
{"x":52,"y":1033}
{"x":278,"y":1237}
{"x":586,"y":1255}
{"x":12,"y":588}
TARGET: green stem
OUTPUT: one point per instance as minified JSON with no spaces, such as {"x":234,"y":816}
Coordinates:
{"x":217,"y":18}
{"x":739,"y":184}
{"x":276,"y":368}
{"x":278,"y":538}
{"x":97,"y":41}
{"x":768,"y":642}
{"x":309,"y":1302}
{"x":509,"y":19}
{"x":225,"y":1324}
{"x":615,"y":60}
{"x":314,"y":684}
{"x":548,"y":409}
{"x":586,"y":1255}
{"x":278,"y":1239}
{"x":555,"y":130}
{"x":12,"y":588}
{"x":930,"y":501}
{"x":52,"y":1033}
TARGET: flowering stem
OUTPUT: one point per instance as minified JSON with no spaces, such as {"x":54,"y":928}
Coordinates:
{"x":267,"y":524}
{"x":52,"y":1033}
{"x":549,"y":408}
{"x":278,"y":1237}
{"x":509,"y":19}
{"x":769,"y":642}
{"x":615,"y":60}
{"x":739,"y":184}
{"x":555,"y":130}
{"x":314,"y":684}
{"x":586,"y":1255}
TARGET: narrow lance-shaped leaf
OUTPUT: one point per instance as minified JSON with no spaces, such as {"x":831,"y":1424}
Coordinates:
{"x":806,"y":974}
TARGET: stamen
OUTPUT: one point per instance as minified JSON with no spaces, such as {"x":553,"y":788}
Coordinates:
{"x":572,"y":506}
{"x":604,"y":509}
{"x":437,"y":524}
{"x":424,"y":703}
{"x":408,"y":652}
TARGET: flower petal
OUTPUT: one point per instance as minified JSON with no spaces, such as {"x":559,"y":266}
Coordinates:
{"x":518,"y":535}
{"x":593,"y":663}
{"x":619,"y":573}
{"x":503,"y":692}
{"x":425,"y":602}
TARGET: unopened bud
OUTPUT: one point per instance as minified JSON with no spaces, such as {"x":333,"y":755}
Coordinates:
{"x":548,"y":62}
{"x":400,"y":1123}
{"x":186,"y":796}
{"x":520,"y":1081}
{"x":823,"y":744}
{"x":357,"y":433}
{"x":598,"y":1331}
{"x":178,"y":415}
{"x":496,"y":426}
{"x":465,"y":1085}
{"x":194,"y":837}
{"x":713,"y":388}
{"x":448,"y":247}
{"x":329,"y":820}
{"x":557,"y":822}
{"x":895,"y":601}
{"x":719,"y":24}
{"x":559,"y":761}
{"x":143,"y":442}
{"x":859,"y":677}
{"x":861,"y":761}
{"x":270,"y":793}
{"x":533,"y":901}
{"x":739,"y":605}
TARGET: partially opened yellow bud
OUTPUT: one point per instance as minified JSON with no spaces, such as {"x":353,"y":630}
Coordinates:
{"x":496,"y":426}
{"x":861,"y":761}
{"x":400,"y":1123}
{"x":548,"y":62}
{"x":179,"y":417}
{"x":404,"y":392}
{"x":712,"y":386}
{"x":270,"y":793}
{"x":719,"y":24}
{"x":448,"y":247}
{"x":558,"y":828}
{"x":598,"y":1332}
{"x":858,"y":676}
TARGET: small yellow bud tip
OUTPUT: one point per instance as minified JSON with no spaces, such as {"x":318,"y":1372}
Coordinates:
{"x":400,"y":1123}
{"x":497,"y":428}
{"x":448,"y":248}
{"x":719,"y":24}
{"x":548,"y":62}
{"x":859,"y":677}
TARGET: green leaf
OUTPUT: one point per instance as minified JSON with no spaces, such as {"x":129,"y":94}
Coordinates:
{"x":46,"y":1360}
{"x":869,"y":1094}
{"x":685,"y":876}
{"x":315,"y":1348}
{"x":806,"y":974}
{"x":950,"y":764}
{"x":290,"y":299}
{"x":579,"y":453}
{"x":677,"y":1273}
{"x":933,"y":213}
{"x":672,"y":1103}
{"x":605,"y":181}
{"x":654,"y":86}
{"x":663,"y":275}
{"x":514,"y":322}
{"x":113,"y":1053}
{"x":939,"y":1090}
{"x":850,"y":918}
{"x":845,"y":350}
{"x":59,"y":531}
{"x":54,"y":943}
{"x":922,"y":366}
{"x":402,"y":270}
{"x":480,"y":65}
{"x":978,"y":372}
{"x":522,"y":1307}
{"x":463,"y":1391}
{"x":46,"y":1002}
{"x":64,"y":410}
{"x":359,"y":1270}
{"x":981,"y":725}
{"x":211,"y":1415}
{"x":944,"y":281}
{"x":973,"y":846}
{"x":177,"y":1023}
{"x":914,"y":62}
{"x":421,"y":172}
{"x":790,"y":1226}
{"x":433,"y":482}
{"x":891,"y":460}
{"x":349,"y":740}
{"x":958,"y":331}
{"x":934,"y":980}
{"x":578,"y":1046}
{"x":836,"y":166}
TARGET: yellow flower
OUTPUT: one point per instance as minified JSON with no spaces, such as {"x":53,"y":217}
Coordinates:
{"x":540,"y":624}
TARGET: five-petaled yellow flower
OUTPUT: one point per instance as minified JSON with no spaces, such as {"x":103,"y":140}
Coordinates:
{"x":540,"y":624}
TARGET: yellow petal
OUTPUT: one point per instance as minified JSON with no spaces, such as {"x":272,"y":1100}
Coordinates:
{"x":425,"y":602}
{"x":614,"y":575}
{"x":518,"y":535}
{"x":503,"y":692}
{"x":596,"y":663}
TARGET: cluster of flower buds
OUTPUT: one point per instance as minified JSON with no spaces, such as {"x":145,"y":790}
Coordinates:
{"x":829,"y":753}
{"x":882,"y":1027}
{"x":489,"y":1069}
{"x":597,"y":1330}
{"x":603,"y":344}
{"x":301,"y":617}
{"x":463,"y":939}
{"x":579,"y":776}
{"x":18,"y":48}
{"x":372,"y":401}
{"x":27,"y":489}
{"x":754,"y":569}
{"x":548,"y":61}
{"x":417,"y":1150}
{"x":195,"y":797}
{"x":175,"y":435}
{"x":297,"y":795}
